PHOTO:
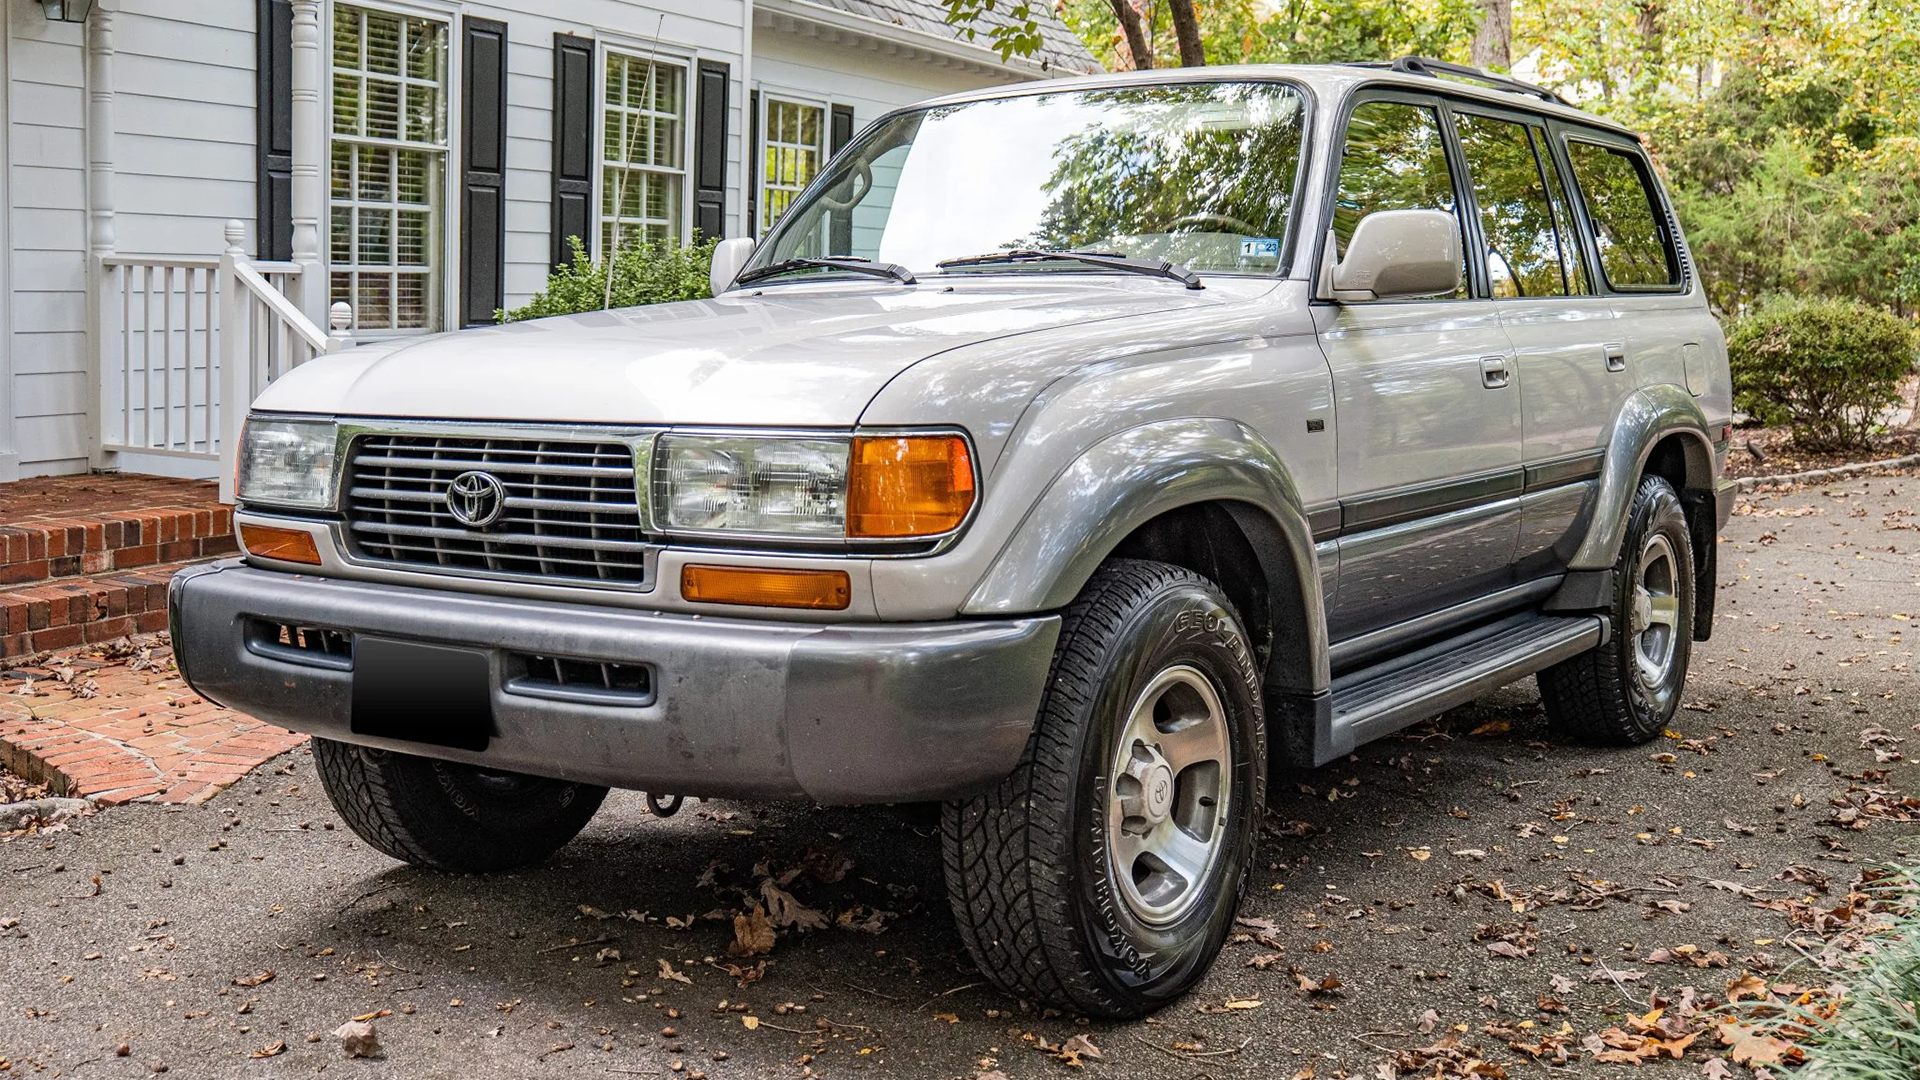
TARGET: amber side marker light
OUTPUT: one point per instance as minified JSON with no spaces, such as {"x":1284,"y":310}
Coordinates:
{"x":910,"y":485}
{"x":820,"y":590}
{"x":287,"y":545}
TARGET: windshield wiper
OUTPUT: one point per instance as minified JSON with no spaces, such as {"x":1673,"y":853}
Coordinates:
{"x":1108,"y":260}
{"x":831,"y":262}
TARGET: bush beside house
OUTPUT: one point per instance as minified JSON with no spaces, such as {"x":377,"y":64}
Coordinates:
{"x":647,"y":272}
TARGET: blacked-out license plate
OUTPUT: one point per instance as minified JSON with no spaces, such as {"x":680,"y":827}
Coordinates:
{"x":421,"y":693}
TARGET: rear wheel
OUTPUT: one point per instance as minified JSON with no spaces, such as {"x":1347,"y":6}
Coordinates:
{"x":1104,"y":873}
{"x":449,"y":816}
{"x":1626,"y":691}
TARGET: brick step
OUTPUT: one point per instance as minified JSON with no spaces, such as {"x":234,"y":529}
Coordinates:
{"x":65,"y":527}
{"x":85,"y":610}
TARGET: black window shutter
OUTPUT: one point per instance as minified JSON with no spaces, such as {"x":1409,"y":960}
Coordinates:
{"x":842,"y":129}
{"x":273,"y":130}
{"x":483,"y":151}
{"x":753,"y":163}
{"x":573,"y":127}
{"x":840,"y":225}
{"x":710,"y":153}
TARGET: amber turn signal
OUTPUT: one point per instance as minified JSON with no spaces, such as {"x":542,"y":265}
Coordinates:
{"x":287,"y":545}
{"x":821,"y":590}
{"x":910,"y":485}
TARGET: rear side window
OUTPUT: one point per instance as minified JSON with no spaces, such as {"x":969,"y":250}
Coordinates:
{"x":1516,"y":218}
{"x":1395,"y":159}
{"x":1635,"y":250}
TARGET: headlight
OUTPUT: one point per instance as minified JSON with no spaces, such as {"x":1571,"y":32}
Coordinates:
{"x":871,"y":487}
{"x":287,"y":463}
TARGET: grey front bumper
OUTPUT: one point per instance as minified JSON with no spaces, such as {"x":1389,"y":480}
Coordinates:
{"x":850,"y":713}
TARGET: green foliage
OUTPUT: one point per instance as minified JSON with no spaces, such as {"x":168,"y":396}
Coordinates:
{"x":1018,"y":35}
{"x":644,"y":272}
{"x":1289,"y":31}
{"x":1826,"y":368}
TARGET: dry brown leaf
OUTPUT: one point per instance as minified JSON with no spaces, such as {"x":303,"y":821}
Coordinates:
{"x":753,"y":935}
{"x":358,"y":1039}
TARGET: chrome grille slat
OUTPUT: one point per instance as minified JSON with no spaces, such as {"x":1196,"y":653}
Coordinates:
{"x":572,"y":508}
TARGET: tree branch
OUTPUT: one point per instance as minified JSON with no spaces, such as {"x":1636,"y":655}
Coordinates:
{"x":1136,"y":35}
{"x":1186,"y":27}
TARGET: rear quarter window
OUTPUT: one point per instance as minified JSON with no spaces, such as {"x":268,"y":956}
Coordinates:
{"x":1636,"y":250}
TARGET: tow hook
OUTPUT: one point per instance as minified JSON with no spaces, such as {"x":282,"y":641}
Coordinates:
{"x":663,"y":805}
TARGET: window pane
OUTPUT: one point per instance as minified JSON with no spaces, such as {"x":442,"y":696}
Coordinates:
{"x":1573,"y":261}
{"x":1633,"y":244}
{"x":792,"y":155}
{"x":1395,"y":159}
{"x":641,"y":154}
{"x":1516,"y":221}
{"x":389,"y":85}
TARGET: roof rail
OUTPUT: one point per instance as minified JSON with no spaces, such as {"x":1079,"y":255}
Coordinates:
{"x":1423,"y":65}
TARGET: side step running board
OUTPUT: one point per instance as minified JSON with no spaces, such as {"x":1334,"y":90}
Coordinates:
{"x":1380,"y":700}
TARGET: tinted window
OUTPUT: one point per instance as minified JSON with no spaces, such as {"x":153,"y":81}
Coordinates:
{"x":1395,"y":159}
{"x":1573,"y":261}
{"x":1633,"y":243}
{"x":1516,"y":220}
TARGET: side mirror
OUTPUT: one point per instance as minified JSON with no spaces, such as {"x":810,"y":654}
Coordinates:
{"x":728,"y":258}
{"x":1400,"y":253}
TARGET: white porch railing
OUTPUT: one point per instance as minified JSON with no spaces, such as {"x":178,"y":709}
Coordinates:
{"x":180,"y":337}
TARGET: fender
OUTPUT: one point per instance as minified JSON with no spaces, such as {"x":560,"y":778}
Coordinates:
{"x":1132,"y":477}
{"x":1647,"y":416}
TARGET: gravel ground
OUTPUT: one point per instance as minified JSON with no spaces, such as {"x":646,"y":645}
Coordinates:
{"x":1470,"y":867}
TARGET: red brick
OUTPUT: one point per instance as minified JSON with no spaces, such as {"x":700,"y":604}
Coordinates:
{"x":108,"y":629}
{"x":96,"y":537}
{"x":39,"y":610}
{"x":56,"y":539}
{"x":150,"y":622}
{"x":58,"y":637}
{"x":179,"y":550}
{"x":14,"y":573}
{"x":144,"y":555}
{"x":113,"y":535}
{"x":127,"y":794}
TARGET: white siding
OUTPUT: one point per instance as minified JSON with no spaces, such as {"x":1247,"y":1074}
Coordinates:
{"x":47,"y":235}
{"x":183,"y":124}
{"x":873,"y":80}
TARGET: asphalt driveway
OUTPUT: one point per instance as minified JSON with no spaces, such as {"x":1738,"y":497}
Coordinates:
{"x":1469,"y":873}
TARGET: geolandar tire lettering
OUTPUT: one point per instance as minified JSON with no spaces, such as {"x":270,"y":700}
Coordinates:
{"x":1104,"y":873}
{"x":1625,"y":692}
{"x":448,"y":816}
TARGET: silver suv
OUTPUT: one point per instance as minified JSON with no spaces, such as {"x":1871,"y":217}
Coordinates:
{"x":1068,"y":453}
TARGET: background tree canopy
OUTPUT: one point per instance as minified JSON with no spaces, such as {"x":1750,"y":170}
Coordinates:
{"x":1789,"y":130}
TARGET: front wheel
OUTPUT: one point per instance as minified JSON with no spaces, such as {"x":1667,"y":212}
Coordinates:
{"x":1103,"y":874}
{"x":1624,"y":692}
{"x":449,"y":816}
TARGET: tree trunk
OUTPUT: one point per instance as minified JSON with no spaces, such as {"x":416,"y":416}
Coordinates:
{"x":1129,"y":19}
{"x":1493,"y":41}
{"x":1186,"y":27}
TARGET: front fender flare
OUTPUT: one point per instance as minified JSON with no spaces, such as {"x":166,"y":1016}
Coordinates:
{"x":1132,"y":477}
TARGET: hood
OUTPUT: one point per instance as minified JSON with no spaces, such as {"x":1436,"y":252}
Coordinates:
{"x":801,"y":355}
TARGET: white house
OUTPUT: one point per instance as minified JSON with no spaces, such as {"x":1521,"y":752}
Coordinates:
{"x":423,"y":161}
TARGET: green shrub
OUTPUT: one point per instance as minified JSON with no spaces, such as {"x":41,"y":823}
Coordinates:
{"x":1825,"y":368}
{"x":644,"y":272}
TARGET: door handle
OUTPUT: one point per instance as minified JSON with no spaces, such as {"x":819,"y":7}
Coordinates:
{"x":1494,"y":373}
{"x":1616,"y":356}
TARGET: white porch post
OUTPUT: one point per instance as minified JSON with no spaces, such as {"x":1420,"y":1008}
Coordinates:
{"x":100,"y":237}
{"x":309,"y":154}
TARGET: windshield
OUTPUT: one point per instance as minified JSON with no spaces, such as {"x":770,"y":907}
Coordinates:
{"x":1201,"y":174}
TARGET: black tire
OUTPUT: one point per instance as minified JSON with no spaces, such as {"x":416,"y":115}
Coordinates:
{"x":1030,"y":865}
{"x":448,"y":816}
{"x":1610,"y":696}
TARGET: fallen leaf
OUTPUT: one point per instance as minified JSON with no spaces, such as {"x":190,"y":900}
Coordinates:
{"x":255,"y":980}
{"x":753,"y":935}
{"x":667,"y":972}
{"x":785,"y":911}
{"x":272,"y":1049}
{"x":358,"y":1039}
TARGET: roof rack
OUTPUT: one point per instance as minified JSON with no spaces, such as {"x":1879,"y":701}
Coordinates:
{"x":1433,"y":69}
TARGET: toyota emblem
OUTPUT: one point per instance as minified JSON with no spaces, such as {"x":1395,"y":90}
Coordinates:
{"x":476,"y":499}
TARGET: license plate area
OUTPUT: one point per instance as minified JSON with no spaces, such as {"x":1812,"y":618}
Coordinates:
{"x":422,"y":693}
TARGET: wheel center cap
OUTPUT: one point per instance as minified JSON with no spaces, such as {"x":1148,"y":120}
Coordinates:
{"x":1159,"y":792}
{"x":1642,"y":611}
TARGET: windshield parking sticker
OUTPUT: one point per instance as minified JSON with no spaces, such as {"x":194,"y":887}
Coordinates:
{"x":1259,"y":247}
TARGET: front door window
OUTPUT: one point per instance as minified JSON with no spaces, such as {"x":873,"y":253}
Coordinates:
{"x":388,"y":152}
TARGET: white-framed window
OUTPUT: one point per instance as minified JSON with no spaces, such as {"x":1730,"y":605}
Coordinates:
{"x":389,"y":163}
{"x":643,"y":155}
{"x":793,"y":146}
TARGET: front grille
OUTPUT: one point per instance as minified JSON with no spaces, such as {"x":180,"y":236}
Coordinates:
{"x":571,"y":510}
